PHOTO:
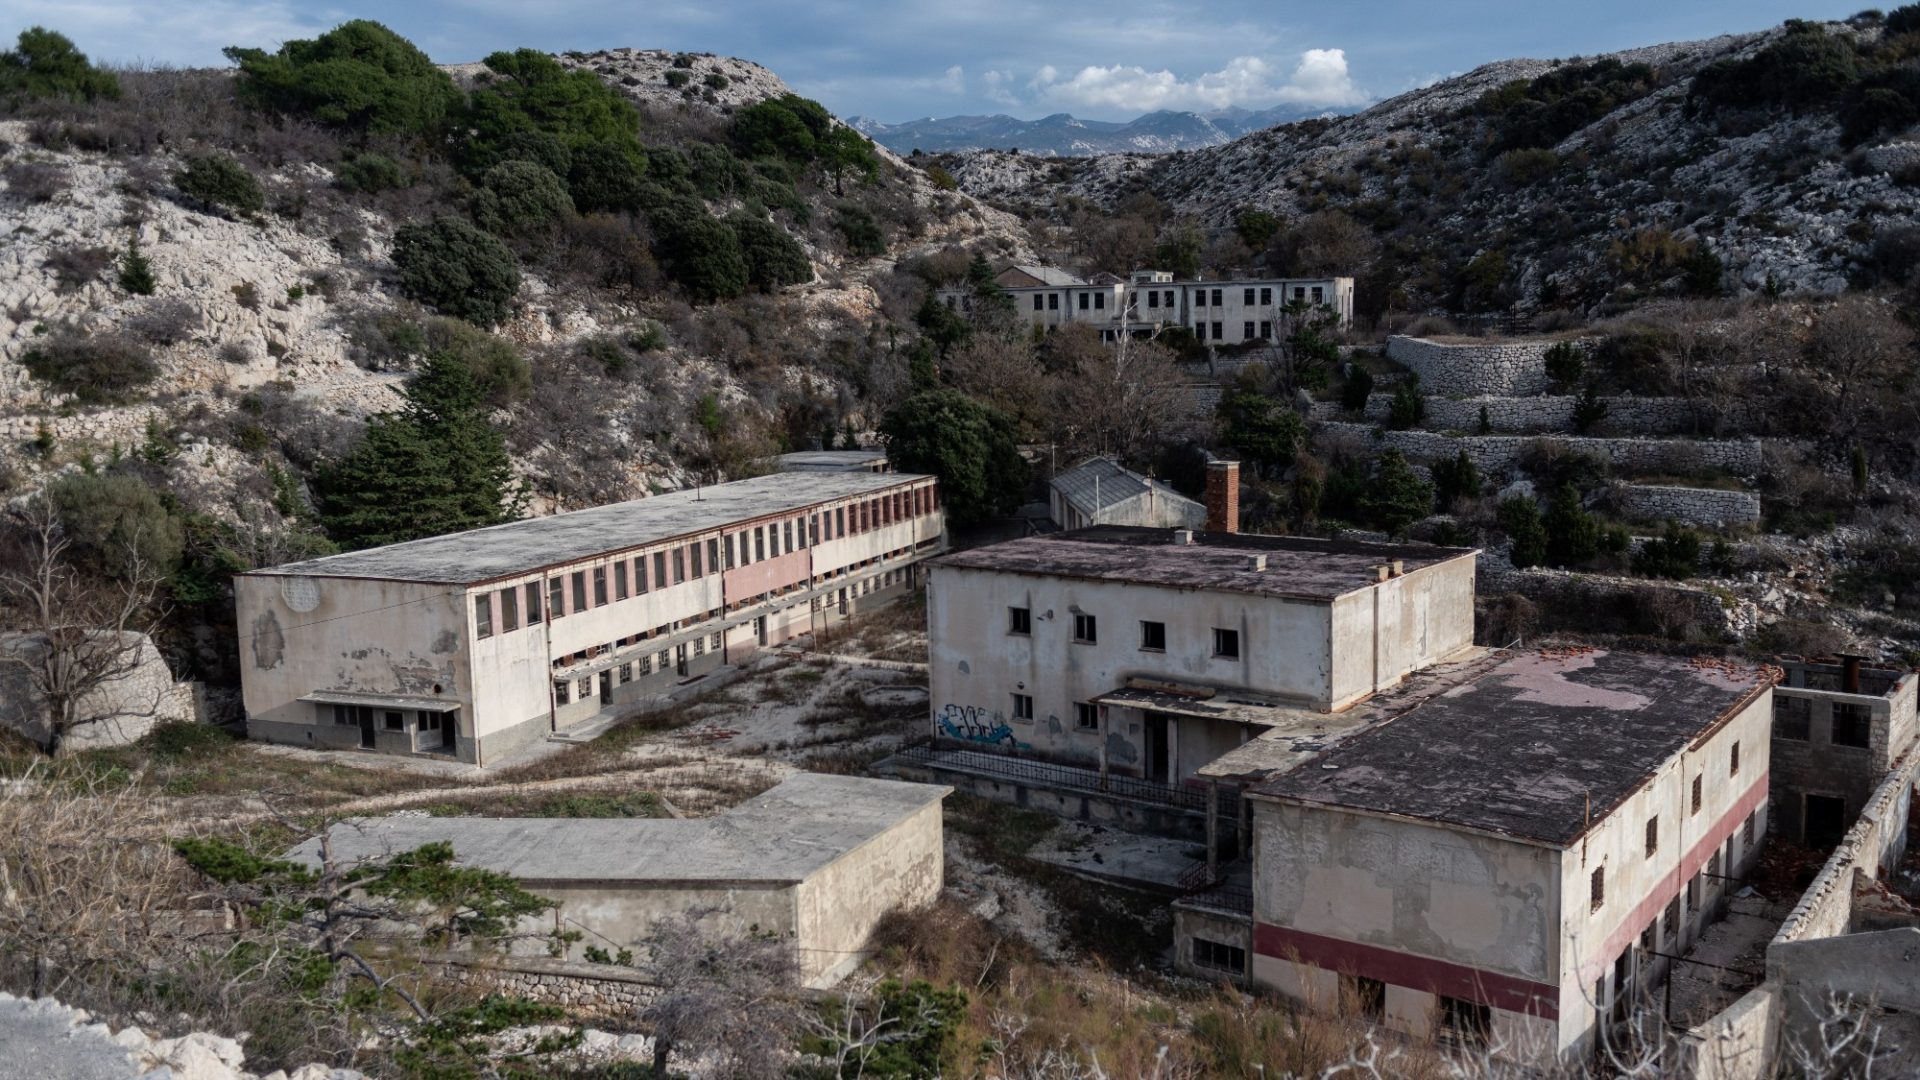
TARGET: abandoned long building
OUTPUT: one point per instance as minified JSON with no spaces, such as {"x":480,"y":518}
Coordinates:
{"x":1234,"y":311}
{"x":476,"y":643}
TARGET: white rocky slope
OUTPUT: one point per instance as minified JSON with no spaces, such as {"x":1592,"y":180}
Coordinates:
{"x":45,"y":1040}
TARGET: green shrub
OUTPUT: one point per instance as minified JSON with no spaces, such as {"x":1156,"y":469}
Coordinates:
{"x":606,"y":178}
{"x":1528,"y":166}
{"x":529,"y":91}
{"x":109,"y":515}
{"x":500,"y":375}
{"x":1565,"y":362}
{"x":773,"y":258}
{"x":1675,"y":554}
{"x":518,"y":197}
{"x":699,"y":252}
{"x":1520,"y":520}
{"x":1263,"y":431}
{"x":677,"y":78}
{"x":1573,"y":536}
{"x":788,"y":127}
{"x":457,"y":269}
{"x":136,"y":270}
{"x":1454,"y":478}
{"x":1542,"y":111}
{"x":1408,"y":406}
{"x":45,"y":64}
{"x":970,"y":446}
{"x":1397,"y":496}
{"x":716,"y":80}
{"x":1588,"y":411}
{"x":359,"y":76}
{"x":97,"y":369}
{"x":683,"y":60}
{"x":1806,"y":69}
{"x":372,"y":173}
{"x":941,"y":178}
{"x":177,"y":739}
{"x":218,"y":180}
{"x":1903,"y":20}
{"x":863,"y":235}
{"x":1356,"y":391}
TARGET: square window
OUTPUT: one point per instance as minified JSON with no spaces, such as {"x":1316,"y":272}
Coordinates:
{"x":1653,"y":836}
{"x":395,"y":722}
{"x":1086,"y":629}
{"x":1219,"y":956}
{"x":1019,"y":620}
{"x":1023,"y":706}
{"x":509,"y":609}
{"x":1852,"y":725}
{"x":483,"y":615}
{"x":1153,"y":636}
{"x":1086,"y":716}
{"x":1226,"y":644}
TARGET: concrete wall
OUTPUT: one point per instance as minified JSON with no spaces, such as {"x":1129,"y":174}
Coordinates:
{"x":1817,"y":765}
{"x":1741,"y":1043}
{"x":1877,"y":840}
{"x":1416,"y":905}
{"x":1689,"y":506}
{"x":1473,"y":368}
{"x":619,"y":915}
{"x":1384,"y":632}
{"x":1496,"y":454}
{"x":839,"y":906}
{"x":1533,"y":415}
{"x":1191,"y":922}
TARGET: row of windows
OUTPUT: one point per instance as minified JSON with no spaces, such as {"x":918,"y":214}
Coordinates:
{"x":1852,"y":723}
{"x":1696,"y":797}
{"x":1153,"y":635}
{"x":1097,"y":301}
{"x":581,"y":689}
{"x":656,"y":570}
{"x":390,"y":720}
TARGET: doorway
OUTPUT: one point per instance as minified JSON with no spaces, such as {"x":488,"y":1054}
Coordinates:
{"x":365,"y":715}
{"x":449,"y":728}
{"x":680,"y":660}
{"x":759,"y":631}
{"x":1156,"y":763}
{"x":1825,"y":821}
{"x":606,"y":688}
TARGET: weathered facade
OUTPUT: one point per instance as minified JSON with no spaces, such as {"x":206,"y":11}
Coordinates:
{"x":1149,"y":653}
{"x":1227,"y":312}
{"x":818,"y":861}
{"x":1505,"y":861}
{"x":476,"y":643}
{"x":1838,"y":728}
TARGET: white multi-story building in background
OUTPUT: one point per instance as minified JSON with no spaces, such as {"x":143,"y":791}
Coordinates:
{"x":475,"y":643}
{"x":1233,"y":311}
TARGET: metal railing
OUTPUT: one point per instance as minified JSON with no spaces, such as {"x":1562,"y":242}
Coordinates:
{"x":1046,"y":774}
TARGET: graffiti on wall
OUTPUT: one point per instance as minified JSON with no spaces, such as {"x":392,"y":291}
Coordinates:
{"x":970,"y":723}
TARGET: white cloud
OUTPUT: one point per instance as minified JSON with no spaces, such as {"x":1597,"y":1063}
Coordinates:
{"x":997,"y":86}
{"x":1320,"y":78}
{"x":953,"y":82}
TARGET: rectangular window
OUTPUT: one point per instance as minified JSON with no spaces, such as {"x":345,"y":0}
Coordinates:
{"x":640,"y":575}
{"x":1362,"y":996}
{"x":395,"y":722}
{"x":1852,"y":725}
{"x":1597,"y":889}
{"x":1464,"y":1023}
{"x":509,"y":610}
{"x":1086,"y":629}
{"x":1023,"y":706}
{"x":626,"y":673}
{"x":1792,"y":718}
{"x":1246,"y":297}
{"x":1246,"y":331}
{"x":1053,"y":301}
{"x":1199,"y":298}
{"x":1266,"y":331}
{"x":1266,"y":297}
{"x":1218,"y":333}
{"x":1019,"y":620}
{"x":1038,"y":302}
{"x":1216,"y":298}
{"x":1086,"y":299}
{"x":1696,"y":795}
{"x":713,"y":556}
{"x":599,"y":586}
{"x":556,"y":597}
{"x":759,"y":543}
{"x":1746,"y":829}
{"x":1153,"y":636}
{"x":693,"y":551}
{"x":620,"y":580}
{"x":1733,"y":761}
{"x":561,"y":690}
{"x":483,"y":615}
{"x":726,"y":546}
{"x":1086,"y":716}
{"x":1299,"y":292}
{"x":1226,"y":644}
{"x":533,"y":602}
{"x":679,"y":565}
{"x":1153,"y":298}
{"x":579,"y":590}
{"x":659,"y":569}
{"x":1319,"y":295}
{"x":1653,"y":836}
{"x":839,"y":521}
{"x":786,"y":536}
{"x":1671,"y":921}
{"x":584,"y":688}
{"x":1100,"y":301}
{"x":1219,"y":956}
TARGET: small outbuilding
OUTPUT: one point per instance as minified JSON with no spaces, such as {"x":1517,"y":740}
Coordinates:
{"x":1101,"y":491}
{"x":817,"y":860}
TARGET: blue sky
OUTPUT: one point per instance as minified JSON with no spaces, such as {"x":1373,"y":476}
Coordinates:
{"x":897,"y":61}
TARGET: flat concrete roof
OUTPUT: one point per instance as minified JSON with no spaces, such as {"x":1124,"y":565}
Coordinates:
{"x":1538,"y":746}
{"x":777,"y":838}
{"x":521,"y":547}
{"x":1296,"y":567}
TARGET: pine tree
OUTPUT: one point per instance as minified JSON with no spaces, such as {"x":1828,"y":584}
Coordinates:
{"x":436,"y":466}
{"x":1573,"y":536}
{"x":1398,"y":497}
{"x":136,"y":272}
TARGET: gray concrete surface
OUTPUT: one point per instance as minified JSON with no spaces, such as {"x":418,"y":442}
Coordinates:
{"x":45,"y":1040}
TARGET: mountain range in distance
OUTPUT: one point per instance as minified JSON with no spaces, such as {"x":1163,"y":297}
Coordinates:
{"x":1064,"y":135}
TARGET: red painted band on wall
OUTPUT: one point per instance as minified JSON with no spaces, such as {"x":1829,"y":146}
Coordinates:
{"x":1407,"y":970}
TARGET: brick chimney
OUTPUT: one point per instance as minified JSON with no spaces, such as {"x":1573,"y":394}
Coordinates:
{"x":1223,"y":496}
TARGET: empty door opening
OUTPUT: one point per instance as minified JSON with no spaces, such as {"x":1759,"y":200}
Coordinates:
{"x":1156,"y":748}
{"x":1825,"y":821}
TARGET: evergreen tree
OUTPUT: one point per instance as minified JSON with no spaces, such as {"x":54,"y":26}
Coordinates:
{"x":1265,"y":433}
{"x":1520,"y":518}
{"x":136,"y":271}
{"x":45,"y":64}
{"x":970,"y":446}
{"x":1398,"y":497}
{"x":358,"y":76}
{"x":1573,"y":536}
{"x":1453,"y":479}
{"x":436,"y":466}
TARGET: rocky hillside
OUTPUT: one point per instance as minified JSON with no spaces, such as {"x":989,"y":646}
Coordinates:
{"x":1530,"y":173}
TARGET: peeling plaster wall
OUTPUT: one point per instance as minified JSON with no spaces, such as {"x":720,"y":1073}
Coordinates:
{"x":839,"y":906}
{"x":351,"y":634}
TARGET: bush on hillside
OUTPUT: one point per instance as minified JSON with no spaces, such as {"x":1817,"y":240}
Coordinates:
{"x":217,"y":180}
{"x":604,"y":178}
{"x":863,"y":235}
{"x":372,"y":173}
{"x":500,"y":374}
{"x":1397,"y":496}
{"x":45,"y":64}
{"x":456,"y":268}
{"x":1540,"y":112}
{"x":518,"y":197}
{"x":1408,"y":406}
{"x":773,"y":257}
{"x":359,"y":76}
{"x":1903,"y":20}
{"x":1806,"y":69}
{"x":113,"y":516}
{"x":529,"y":91}
{"x":97,"y":369}
{"x":699,"y":252}
{"x":1520,"y":520}
{"x":1675,"y":554}
{"x":788,"y":127}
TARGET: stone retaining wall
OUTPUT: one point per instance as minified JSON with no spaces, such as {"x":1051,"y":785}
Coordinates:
{"x":1688,"y":506}
{"x":1476,"y":368}
{"x":1496,"y":454}
{"x":1893,"y":157}
{"x":1524,"y":415}
{"x":584,"y":989}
